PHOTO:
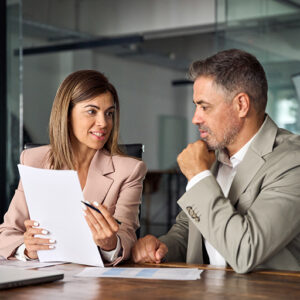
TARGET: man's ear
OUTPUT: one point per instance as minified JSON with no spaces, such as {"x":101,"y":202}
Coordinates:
{"x":242,"y":104}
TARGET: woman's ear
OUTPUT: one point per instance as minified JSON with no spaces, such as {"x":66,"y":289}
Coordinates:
{"x":242,"y":103}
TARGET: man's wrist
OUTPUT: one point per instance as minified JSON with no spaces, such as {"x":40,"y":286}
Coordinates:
{"x":194,"y":180}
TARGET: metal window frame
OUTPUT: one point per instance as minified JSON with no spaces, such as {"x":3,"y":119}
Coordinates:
{"x":3,"y":108}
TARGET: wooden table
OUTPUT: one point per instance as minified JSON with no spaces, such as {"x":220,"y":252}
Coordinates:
{"x":215,"y":283}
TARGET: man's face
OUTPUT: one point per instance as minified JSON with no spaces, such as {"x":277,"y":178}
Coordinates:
{"x":216,"y":118}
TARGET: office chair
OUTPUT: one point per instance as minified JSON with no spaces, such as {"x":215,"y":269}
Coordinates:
{"x":134,"y":150}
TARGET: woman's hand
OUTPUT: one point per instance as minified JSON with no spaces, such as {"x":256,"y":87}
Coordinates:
{"x":32,"y":243}
{"x":103,"y":226}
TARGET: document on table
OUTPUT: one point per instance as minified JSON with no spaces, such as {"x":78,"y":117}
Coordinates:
{"x":143,"y":273}
{"x":53,"y":199}
{"x":32,"y":264}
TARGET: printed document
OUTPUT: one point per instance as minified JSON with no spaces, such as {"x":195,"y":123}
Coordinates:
{"x":143,"y":273}
{"x":53,"y":199}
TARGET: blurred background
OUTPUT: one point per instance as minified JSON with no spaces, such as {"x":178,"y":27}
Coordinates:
{"x":145,"y":48}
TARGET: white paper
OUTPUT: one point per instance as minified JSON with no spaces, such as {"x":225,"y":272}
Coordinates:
{"x":27,"y":264}
{"x":53,"y":199}
{"x":143,"y":273}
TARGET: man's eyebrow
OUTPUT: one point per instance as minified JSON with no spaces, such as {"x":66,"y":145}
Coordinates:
{"x":199,"y":102}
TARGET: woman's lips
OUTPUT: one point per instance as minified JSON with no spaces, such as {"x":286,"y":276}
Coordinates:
{"x":99,"y":135}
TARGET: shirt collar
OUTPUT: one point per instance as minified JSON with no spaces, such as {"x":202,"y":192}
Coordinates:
{"x":235,"y":159}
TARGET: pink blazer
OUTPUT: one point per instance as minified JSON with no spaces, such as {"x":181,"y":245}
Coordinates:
{"x":115,"y":181}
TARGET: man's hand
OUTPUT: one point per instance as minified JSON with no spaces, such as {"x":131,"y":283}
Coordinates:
{"x":195,"y":158}
{"x":148,"y":249}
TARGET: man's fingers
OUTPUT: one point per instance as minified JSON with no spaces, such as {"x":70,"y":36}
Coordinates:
{"x":161,"y":252}
{"x":151,"y":245}
{"x":145,"y":249}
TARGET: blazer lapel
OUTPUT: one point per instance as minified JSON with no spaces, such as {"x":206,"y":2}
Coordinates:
{"x":97,"y":183}
{"x":215,"y":167}
{"x":253,"y":160}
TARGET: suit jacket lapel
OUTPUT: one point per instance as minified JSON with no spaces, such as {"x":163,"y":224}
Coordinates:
{"x":215,"y":166}
{"x":253,"y":160}
{"x":97,"y":183}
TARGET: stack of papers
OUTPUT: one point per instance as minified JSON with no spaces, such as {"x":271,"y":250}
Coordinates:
{"x":143,"y":273}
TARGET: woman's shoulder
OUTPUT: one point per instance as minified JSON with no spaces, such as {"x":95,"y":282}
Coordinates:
{"x":128,"y":164}
{"x":35,"y":157}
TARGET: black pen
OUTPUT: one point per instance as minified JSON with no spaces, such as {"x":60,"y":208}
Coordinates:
{"x":97,"y":210}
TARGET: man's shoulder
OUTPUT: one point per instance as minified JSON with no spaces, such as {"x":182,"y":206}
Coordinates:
{"x":287,"y":143}
{"x":35,"y":157}
{"x":286,"y":152}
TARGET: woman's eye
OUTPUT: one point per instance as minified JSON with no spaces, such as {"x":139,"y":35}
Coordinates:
{"x":91,"y":111}
{"x":110,"y":114}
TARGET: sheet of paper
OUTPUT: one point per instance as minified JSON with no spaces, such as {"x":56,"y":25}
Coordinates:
{"x":53,"y":199}
{"x":143,"y":273}
{"x":27,"y":264}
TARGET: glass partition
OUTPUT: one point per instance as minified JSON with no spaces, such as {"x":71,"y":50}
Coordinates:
{"x":14,"y":141}
{"x":269,"y":30}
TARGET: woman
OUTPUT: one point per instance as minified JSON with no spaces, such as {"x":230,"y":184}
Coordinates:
{"x":84,"y":129}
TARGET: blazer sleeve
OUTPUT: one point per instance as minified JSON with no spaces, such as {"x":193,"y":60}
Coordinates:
{"x":127,"y":209}
{"x":248,"y":239}
{"x":12,"y":230}
{"x":177,"y":239}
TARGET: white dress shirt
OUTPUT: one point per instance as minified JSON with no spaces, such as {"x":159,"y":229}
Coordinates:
{"x":226,"y":173}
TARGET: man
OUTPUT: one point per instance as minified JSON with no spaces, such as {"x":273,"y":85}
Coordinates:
{"x":242,"y":204}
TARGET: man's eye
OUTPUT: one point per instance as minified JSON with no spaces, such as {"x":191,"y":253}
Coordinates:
{"x":204,"y":108}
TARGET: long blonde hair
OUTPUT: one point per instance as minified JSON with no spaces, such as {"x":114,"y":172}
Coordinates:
{"x":78,"y":86}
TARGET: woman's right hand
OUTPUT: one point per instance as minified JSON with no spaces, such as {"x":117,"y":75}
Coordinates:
{"x":34,"y":244}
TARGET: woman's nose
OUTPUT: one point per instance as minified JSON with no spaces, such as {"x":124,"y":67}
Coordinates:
{"x":101,"y":120}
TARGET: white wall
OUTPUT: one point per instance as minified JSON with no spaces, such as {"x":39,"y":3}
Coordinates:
{"x":117,"y":17}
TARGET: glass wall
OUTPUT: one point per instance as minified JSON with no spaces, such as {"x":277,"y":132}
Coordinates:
{"x":270,"y":30}
{"x":14,"y":141}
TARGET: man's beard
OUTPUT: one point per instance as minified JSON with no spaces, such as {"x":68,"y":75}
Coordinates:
{"x":229,"y":136}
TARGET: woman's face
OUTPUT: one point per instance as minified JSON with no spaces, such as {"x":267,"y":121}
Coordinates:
{"x":92,"y":122}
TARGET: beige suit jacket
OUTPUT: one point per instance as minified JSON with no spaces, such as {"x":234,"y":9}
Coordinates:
{"x":115,"y":181}
{"x":258,"y":225}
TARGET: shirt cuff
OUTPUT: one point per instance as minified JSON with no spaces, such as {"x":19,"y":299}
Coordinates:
{"x":197,"y":178}
{"x":20,"y":254}
{"x":112,"y":255}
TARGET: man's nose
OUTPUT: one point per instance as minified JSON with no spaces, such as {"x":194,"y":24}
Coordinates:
{"x":197,"y":118}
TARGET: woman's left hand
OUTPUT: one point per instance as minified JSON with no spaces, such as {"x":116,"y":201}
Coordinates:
{"x":103,"y":226}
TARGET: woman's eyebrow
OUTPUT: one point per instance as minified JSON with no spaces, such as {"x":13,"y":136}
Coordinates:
{"x":112,"y":107}
{"x":91,"y":105}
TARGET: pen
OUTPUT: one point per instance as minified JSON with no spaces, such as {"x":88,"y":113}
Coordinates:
{"x":97,"y":210}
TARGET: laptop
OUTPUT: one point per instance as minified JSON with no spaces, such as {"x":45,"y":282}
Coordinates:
{"x":13,"y":277}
